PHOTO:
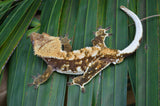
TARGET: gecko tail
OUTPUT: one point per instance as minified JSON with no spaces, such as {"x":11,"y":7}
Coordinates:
{"x":133,"y":46}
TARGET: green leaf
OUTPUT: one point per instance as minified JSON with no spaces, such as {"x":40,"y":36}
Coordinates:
{"x":141,"y":61}
{"x":36,"y":29}
{"x":35,"y":22}
{"x":79,"y":19}
{"x":151,"y":57}
{"x":12,"y":31}
{"x":10,"y":24}
{"x":146,"y":86}
{"x":4,"y":7}
{"x":1,"y":76}
{"x":12,"y":42}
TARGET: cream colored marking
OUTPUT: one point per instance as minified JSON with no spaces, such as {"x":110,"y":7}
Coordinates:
{"x":70,"y":72}
{"x":76,"y":51}
{"x":80,"y":62}
{"x":94,"y":53}
{"x":62,"y":68}
{"x":65,"y":65}
{"x":80,"y":56}
{"x":95,"y":74}
{"x":89,"y":64}
{"x":79,"y":68}
{"x":47,"y":75}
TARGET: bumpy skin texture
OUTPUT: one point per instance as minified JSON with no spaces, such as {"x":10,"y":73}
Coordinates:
{"x":86,"y":62}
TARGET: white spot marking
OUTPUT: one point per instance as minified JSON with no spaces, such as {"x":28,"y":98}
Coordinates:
{"x":117,"y":60}
{"x":94,"y":53}
{"x":79,"y":69}
{"x":81,"y":56}
{"x":76,"y":51}
{"x":70,"y":72}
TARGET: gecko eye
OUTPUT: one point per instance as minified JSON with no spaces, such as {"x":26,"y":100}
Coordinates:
{"x":62,"y":47}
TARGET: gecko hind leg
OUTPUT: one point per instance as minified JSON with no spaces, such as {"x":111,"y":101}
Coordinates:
{"x":66,"y":43}
{"x":92,"y":71}
{"x":40,"y":79}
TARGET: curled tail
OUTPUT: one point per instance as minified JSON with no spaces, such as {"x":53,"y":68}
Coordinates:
{"x":138,"y":35}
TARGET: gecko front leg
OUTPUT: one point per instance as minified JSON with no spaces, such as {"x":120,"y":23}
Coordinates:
{"x":66,"y":43}
{"x":42,"y":78}
{"x":92,"y":71}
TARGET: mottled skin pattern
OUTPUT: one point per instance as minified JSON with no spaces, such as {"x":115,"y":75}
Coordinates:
{"x":86,"y":62}
{"x":88,"y":66}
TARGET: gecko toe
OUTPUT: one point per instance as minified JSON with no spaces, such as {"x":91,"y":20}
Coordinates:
{"x":36,"y":86}
{"x":100,"y":27}
{"x":69,"y":83}
{"x":82,"y":89}
{"x":33,"y":77}
{"x":108,"y":28}
{"x":30,"y":84}
{"x":67,"y":35}
{"x":109,"y":34}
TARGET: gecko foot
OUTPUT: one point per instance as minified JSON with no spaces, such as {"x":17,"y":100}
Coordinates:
{"x":35,"y":82}
{"x":40,"y":79}
{"x":69,"y":83}
{"x":82,"y":87}
{"x":78,"y":81}
{"x":31,"y":84}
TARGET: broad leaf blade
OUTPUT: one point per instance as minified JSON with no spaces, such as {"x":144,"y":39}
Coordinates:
{"x":141,"y":61}
{"x":12,"y":32}
{"x":17,"y":66}
{"x":151,"y":58}
{"x":10,"y":26}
